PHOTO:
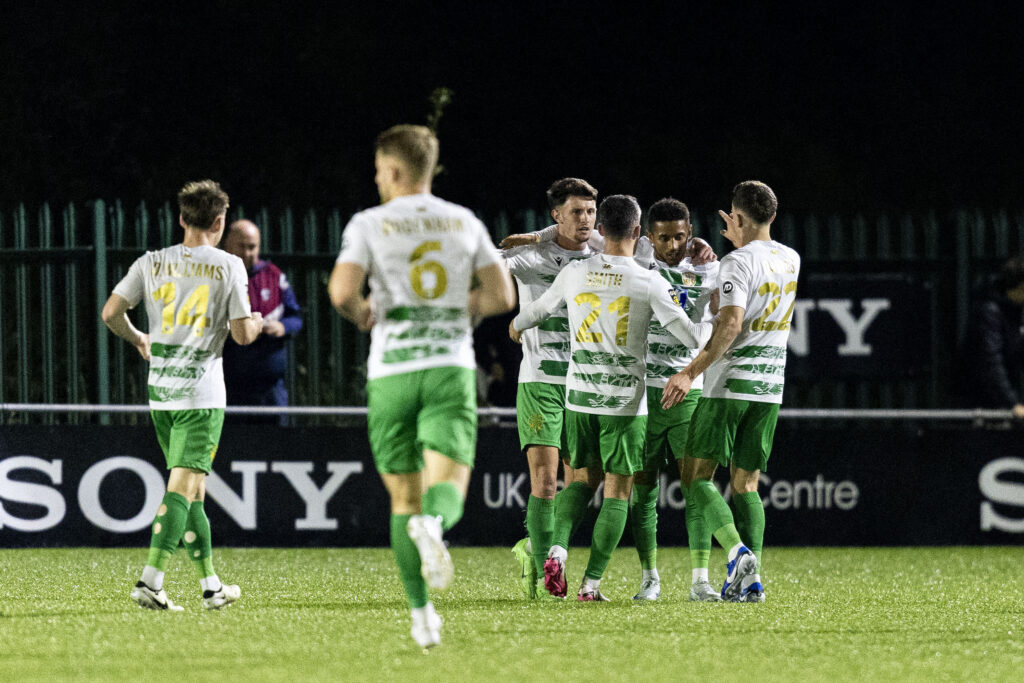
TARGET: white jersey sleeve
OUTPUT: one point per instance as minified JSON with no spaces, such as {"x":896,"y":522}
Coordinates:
{"x":669,"y":312}
{"x":133,"y":286}
{"x":354,"y":245}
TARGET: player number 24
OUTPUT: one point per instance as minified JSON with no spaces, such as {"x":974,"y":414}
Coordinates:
{"x":620,"y":306}
{"x":776,"y":293}
{"x":191,"y":313}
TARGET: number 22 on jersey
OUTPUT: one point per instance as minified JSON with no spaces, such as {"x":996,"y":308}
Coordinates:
{"x":619,"y":306}
{"x":191,"y":313}
{"x":772,"y":289}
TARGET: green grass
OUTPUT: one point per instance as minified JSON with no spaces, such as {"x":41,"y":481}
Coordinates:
{"x":339,"y":614}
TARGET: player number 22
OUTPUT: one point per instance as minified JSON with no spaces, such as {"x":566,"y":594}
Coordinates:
{"x":772,"y":289}
{"x":191,"y":313}
{"x":620,"y":306}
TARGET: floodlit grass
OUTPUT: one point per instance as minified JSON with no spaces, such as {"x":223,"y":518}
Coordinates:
{"x":339,"y":614}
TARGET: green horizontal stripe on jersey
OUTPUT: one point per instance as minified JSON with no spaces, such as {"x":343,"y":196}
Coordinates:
{"x":656,"y":328}
{"x":546,"y":279}
{"x":555,"y":368}
{"x":554,"y":325}
{"x":606,"y":379}
{"x":179,"y":351}
{"x":753,"y":387}
{"x":672,"y":276}
{"x":166,"y":394}
{"x":431,"y":332}
{"x":413,"y":353}
{"x":655,"y":370}
{"x":603,"y":358}
{"x":424,"y":314}
{"x":585,"y":398}
{"x":177,"y":371}
{"x":660,"y":349}
{"x":557,"y":346}
{"x":763,"y":368}
{"x":759,"y":352}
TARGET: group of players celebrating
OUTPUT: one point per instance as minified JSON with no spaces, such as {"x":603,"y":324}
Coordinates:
{"x":639,"y":352}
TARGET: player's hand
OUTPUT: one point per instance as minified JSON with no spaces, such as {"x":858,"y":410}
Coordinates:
{"x":257,"y":318}
{"x":142,"y":345}
{"x":732,"y":231}
{"x":676,"y":389}
{"x":1018,"y":411}
{"x":273,"y":328}
{"x":700,"y":252}
{"x":513,"y":241}
{"x":514,"y":334}
{"x":365,"y":319}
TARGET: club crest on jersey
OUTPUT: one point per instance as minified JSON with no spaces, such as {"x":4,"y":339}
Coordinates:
{"x":727,"y":287}
{"x":689,"y":279}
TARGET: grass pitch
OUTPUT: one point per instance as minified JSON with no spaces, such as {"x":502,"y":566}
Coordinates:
{"x":340,"y":614}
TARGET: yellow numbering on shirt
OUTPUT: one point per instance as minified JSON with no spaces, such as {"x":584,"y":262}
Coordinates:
{"x":429,"y":279}
{"x":772,"y":289}
{"x":191,"y":313}
{"x":620,"y":306}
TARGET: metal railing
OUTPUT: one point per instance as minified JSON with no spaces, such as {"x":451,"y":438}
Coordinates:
{"x":57,"y":266}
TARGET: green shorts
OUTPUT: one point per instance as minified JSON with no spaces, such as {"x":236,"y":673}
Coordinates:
{"x":189,"y":438}
{"x":540,"y":414}
{"x":432,"y":409}
{"x":613,"y":443}
{"x":667,"y":430}
{"x":730,"y":430}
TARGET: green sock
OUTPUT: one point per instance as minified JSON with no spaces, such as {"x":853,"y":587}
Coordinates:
{"x":698,"y":536}
{"x":643,"y":520}
{"x":570,"y":504}
{"x":717,"y":515}
{"x":408,"y":560}
{"x":750,"y":521}
{"x":197,"y":540}
{"x":443,"y":500}
{"x":168,"y":527}
{"x":611,"y":522}
{"x":540,"y":522}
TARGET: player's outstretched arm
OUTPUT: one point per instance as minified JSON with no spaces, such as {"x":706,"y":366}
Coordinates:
{"x":540,"y":309}
{"x":726,"y":327}
{"x":495,"y":295}
{"x":246,"y":330}
{"x":345,"y":290}
{"x":115,"y":316}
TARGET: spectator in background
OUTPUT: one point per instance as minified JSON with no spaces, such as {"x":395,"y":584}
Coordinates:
{"x":254,"y":374}
{"x":994,"y":346}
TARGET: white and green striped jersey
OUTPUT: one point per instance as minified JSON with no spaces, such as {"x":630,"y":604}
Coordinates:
{"x":693,"y":284}
{"x":610,"y":302}
{"x":546,"y":347}
{"x":665,"y":355}
{"x":190,"y":294}
{"x":420,"y":253}
{"x":761,"y":279}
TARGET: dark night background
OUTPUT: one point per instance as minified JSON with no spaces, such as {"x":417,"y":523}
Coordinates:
{"x":848,"y":108}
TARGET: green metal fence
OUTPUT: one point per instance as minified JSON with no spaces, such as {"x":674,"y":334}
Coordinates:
{"x":57,"y":267}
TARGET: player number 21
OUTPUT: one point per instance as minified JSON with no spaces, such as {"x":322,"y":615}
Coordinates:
{"x":191,"y":313}
{"x":620,"y":306}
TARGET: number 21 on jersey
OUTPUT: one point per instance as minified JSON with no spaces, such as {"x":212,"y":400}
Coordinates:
{"x":619,"y":306}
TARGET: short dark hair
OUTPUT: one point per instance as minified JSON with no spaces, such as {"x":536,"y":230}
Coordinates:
{"x":561,"y":190}
{"x":416,"y":146}
{"x":755,"y":199}
{"x":200,"y":202}
{"x":668,"y":209}
{"x":1011,"y":274}
{"x":618,"y":214}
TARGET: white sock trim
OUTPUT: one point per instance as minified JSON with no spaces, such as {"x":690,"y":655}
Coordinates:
{"x":699,"y":575}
